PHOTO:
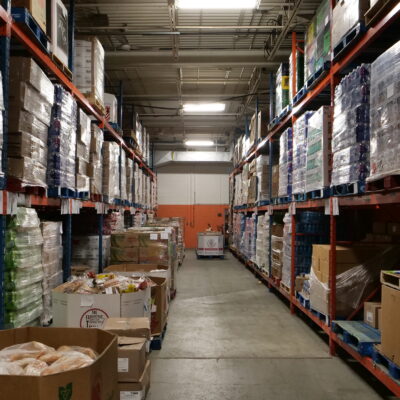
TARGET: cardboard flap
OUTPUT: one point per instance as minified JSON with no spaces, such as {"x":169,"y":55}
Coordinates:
{"x":127,"y":341}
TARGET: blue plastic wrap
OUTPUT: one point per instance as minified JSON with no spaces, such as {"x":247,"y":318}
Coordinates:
{"x":351,"y":127}
{"x":62,"y":140}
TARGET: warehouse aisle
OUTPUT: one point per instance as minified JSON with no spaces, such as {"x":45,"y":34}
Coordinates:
{"x":229,"y":338}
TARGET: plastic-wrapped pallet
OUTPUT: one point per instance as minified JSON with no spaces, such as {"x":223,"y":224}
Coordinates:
{"x":263,"y":177}
{"x":285,"y":163}
{"x":95,"y":170}
{"x":83,"y":153}
{"x":314,"y":229}
{"x":281,"y":88}
{"x":89,"y":68}
{"x":385,"y":114}
{"x":248,"y":245}
{"x":52,"y":254}
{"x":30,"y":102}
{"x":129,"y":179}
{"x":111,"y":106}
{"x":262,"y":242}
{"x":318,"y":149}
{"x":62,"y":140}
{"x":351,"y":128}
{"x":111,"y":153}
{"x":300,"y":133}
{"x":85,"y":251}
{"x":23,"y":269}
{"x":318,"y":41}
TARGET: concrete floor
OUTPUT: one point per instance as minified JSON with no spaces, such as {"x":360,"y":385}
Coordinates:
{"x":228,"y":338}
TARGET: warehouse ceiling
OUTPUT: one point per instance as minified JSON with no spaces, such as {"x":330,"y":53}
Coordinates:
{"x":166,"y":56}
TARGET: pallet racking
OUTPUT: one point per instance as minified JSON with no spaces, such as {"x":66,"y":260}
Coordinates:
{"x":67,"y":207}
{"x":331,"y":204}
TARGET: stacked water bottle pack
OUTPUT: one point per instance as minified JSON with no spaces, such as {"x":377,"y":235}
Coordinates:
{"x":248,"y":245}
{"x":312,"y":227}
{"x":300,"y":133}
{"x":351,"y":128}
{"x":285,"y":163}
{"x":62,"y":140}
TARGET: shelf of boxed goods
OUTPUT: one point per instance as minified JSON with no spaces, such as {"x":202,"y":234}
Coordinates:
{"x":8,"y":27}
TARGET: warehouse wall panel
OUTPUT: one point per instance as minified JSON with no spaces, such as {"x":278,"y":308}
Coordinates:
{"x":199,"y":193}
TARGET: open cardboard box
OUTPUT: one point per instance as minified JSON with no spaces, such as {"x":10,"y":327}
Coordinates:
{"x":97,"y":381}
{"x":91,"y":310}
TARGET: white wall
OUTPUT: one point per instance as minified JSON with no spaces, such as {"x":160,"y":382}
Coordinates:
{"x":193,"y":184}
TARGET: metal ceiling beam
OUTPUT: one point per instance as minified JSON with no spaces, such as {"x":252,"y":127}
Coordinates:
{"x":125,"y":60}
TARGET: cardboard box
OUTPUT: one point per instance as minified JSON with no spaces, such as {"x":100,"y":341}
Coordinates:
{"x":131,"y":358}
{"x":390,"y":328}
{"x":393,"y":228}
{"x":91,"y":311}
{"x":380,"y":318}
{"x":136,"y":391}
{"x":371,"y":316}
{"x":37,"y":9}
{"x":97,"y":381}
{"x":129,"y":327}
{"x":159,"y":309}
{"x":27,"y":170}
{"x":124,"y":255}
{"x":345,"y":15}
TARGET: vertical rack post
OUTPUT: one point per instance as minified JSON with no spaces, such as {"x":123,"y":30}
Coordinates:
{"x":3,"y":220}
{"x":100,"y":220}
{"x":71,"y":34}
{"x":67,"y":246}
{"x":293,"y":262}
{"x":332,"y":273}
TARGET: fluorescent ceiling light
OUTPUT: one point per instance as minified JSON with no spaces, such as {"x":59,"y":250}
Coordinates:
{"x":215,"y":4}
{"x":199,"y":143}
{"x":204,"y":107}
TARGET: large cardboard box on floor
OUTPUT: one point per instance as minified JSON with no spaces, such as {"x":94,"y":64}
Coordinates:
{"x":138,"y":390}
{"x":131,"y":358}
{"x":129,"y":327}
{"x":390,"y":319}
{"x":159,"y":308}
{"x":92,"y":310}
{"x":97,"y":381}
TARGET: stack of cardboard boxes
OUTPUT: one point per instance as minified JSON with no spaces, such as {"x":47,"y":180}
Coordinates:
{"x":30,"y":103}
{"x":252,"y":183}
{"x":277,"y":250}
{"x":134,"y":367}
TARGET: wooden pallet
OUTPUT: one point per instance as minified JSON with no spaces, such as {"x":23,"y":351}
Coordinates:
{"x":284,"y":287}
{"x":387,"y":183}
{"x":391,"y":278}
{"x":380,"y":8}
{"x":157,"y":341}
{"x":67,"y":72}
{"x":96,"y":103}
{"x":385,"y":363}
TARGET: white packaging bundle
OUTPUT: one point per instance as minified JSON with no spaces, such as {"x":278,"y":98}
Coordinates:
{"x":111,"y":106}
{"x":318,"y":149}
{"x":124,"y":195}
{"x":287,"y":251}
{"x":262,"y":242}
{"x":300,"y":133}
{"x":263,"y":177}
{"x":89,"y":68}
{"x":285,"y":163}
{"x":52,"y":254}
{"x":385,"y":114}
